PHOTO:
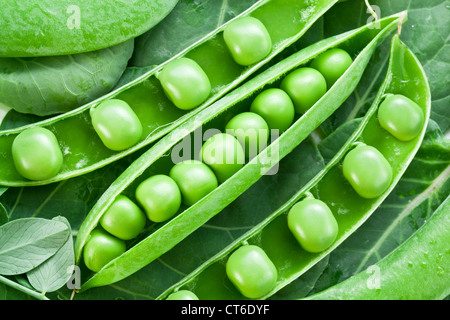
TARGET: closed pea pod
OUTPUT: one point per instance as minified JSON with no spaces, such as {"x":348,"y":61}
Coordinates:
{"x":192,"y":217}
{"x":329,"y":187}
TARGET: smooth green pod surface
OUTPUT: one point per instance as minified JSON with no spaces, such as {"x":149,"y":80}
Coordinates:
{"x":191,"y":218}
{"x":158,"y":115}
{"x":59,"y":28}
{"x":273,"y":235}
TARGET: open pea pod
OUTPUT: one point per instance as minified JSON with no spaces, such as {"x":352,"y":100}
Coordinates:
{"x":290,"y":257}
{"x":161,"y":237}
{"x":84,"y":151}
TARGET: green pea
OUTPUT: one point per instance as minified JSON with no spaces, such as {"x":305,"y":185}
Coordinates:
{"x":251,"y":130}
{"x":160,"y":197}
{"x":101,"y":248}
{"x":313,"y":225}
{"x":305,"y":86}
{"x":276,"y":107}
{"x":123,"y":219}
{"x":182,"y":295}
{"x":401,"y":117}
{"x":185,"y":83}
{"x":251,"y":271}
{"x":368,"y":172}
{"x":247,"y":40}
{"x":36,"y":154}
{"x":332,"y":64}
{"x":116,"y":124}
{"x":223,"y":154}
{"x":195,"y":180}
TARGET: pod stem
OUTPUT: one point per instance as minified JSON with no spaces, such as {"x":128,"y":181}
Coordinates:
{"x":400,"y":23}
{"x":308,"y":195}
{"x":372,"y":12}
{"x":357,"y":144}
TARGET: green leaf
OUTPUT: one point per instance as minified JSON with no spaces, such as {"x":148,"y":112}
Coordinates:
{"x":53,"y":273}
{"x":26,"y":243}
{"x":49,"y":28}
{"x":56,"y":84}
{"x":189,"y":21}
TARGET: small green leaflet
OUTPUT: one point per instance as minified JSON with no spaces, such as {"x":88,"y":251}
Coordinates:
{"x":53,"y":273}
{"x":26,"y":243}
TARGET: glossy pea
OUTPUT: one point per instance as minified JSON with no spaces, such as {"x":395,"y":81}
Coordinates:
{"x":305,"y":86}
{"x":160,"y":197}
{"x":195,"y":180}
{"x":116,"y":124}
{"x":367,"y":171}
{"x":251,"y":130}
{"x":332,"y":64}
{"x":223,"y":154}
{"x":185,"y":83}
{"x":313,"y":225}
{"x":251,"y":271}
{"x":401,"y":117}
{"x":36,"y":154}
{"x":276,"y":108}
{"x":182,"y":295}
{"x":101,"y":248}
{"x":123,"y":219}
{"x":248,"y":40}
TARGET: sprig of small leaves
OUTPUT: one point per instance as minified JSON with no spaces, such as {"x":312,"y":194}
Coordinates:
{"x":39,"y":252}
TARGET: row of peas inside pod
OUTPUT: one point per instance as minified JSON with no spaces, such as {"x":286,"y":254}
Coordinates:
{"x":160,"y":196}
{"x":311,"y":221}
{"x":37,"y":154}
